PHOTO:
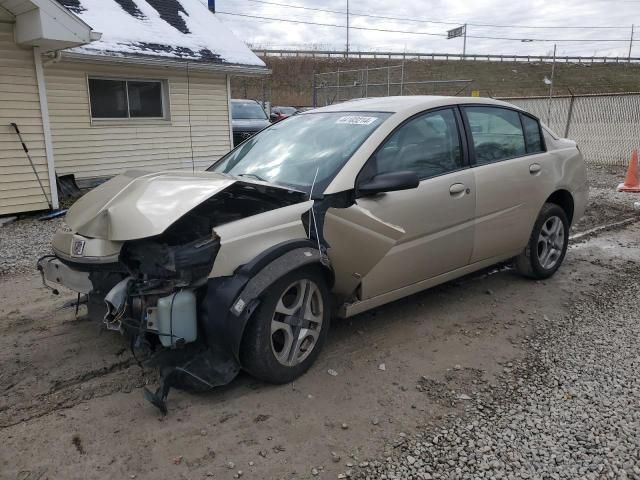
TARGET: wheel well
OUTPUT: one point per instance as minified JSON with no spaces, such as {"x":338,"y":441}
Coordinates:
{"x":329,"y":275}
{"x":564,"y":200}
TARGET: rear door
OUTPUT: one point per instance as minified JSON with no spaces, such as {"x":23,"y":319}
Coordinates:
{"x":507,"y":153}
{"x":437,"y":217}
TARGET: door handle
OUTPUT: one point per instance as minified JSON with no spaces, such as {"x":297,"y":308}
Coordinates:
{"x":457,"y":189}
{"x":534,"y":168}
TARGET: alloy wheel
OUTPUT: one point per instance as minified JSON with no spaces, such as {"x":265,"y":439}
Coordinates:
{"x":296,"y":322}
{"x":551,"y":242}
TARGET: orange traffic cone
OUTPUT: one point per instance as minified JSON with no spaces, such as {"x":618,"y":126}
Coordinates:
{"x":632,"y":180}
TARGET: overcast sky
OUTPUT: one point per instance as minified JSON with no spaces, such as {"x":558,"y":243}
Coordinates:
{"x":545,"y":13}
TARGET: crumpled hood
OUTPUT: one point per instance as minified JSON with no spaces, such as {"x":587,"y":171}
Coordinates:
{"x":139,"y":204}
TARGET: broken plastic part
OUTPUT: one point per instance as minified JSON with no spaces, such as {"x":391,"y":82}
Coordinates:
{"x":116,"y":301}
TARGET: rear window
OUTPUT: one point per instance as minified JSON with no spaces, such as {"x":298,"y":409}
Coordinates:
{"x":247,"y":111}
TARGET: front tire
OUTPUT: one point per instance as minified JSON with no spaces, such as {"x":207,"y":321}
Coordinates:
{"x":547,"y":245}
{"x":288,"y":329}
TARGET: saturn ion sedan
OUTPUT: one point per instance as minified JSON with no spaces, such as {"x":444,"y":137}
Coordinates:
{"x":331,"y":212}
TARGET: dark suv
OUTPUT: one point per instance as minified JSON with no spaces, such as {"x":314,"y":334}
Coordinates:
{"x":248,"y":119}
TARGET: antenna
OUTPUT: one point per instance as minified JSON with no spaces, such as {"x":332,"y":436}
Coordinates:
{"x":313,"y":183}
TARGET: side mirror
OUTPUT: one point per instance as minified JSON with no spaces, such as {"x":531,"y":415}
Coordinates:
{"x":273,"y":117}
{"x":389,"y":182}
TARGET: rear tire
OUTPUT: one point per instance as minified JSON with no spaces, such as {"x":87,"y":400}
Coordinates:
{"x":547,"y":245}
{"x":288,"y":329}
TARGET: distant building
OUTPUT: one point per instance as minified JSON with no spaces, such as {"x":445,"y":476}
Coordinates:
{"x":100,"y":86}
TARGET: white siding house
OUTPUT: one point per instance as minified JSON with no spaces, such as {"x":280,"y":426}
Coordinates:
{"x":122,"y":84}
{"x":19,"y":103}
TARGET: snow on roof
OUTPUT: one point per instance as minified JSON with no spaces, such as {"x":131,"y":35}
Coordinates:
{"x":177,"y":29}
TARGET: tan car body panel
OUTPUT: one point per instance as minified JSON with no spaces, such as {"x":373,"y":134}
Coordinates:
{"x":357,"y":242}
{"x":139,"y":204}
{"x":241,"y":241}
{"x":439,"y":232}
{"x":355,"y":308}
{"x":385,"y":251}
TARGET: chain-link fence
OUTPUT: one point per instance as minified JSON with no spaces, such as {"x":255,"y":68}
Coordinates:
{"x":605,"y":126}
{"x":344,"y":85}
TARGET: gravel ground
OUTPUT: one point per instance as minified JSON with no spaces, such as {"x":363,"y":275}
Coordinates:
{"x":23,"y":242}
{"x":569,"y":409}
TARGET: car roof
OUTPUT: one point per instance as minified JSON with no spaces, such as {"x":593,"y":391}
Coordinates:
{"x":409,"y":102}
{"x":244,"y":100}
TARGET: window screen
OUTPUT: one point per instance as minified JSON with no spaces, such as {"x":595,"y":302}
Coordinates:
{"x":428,"y":145}
{"x":497,"y":133}
{"x":532,"y":137}
{"x":126,"y":99}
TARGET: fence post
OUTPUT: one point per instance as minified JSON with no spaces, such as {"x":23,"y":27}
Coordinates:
{"x":402,"y":79}
{"x":569,"y":115}
{"x":366,"y":82}
{"x":315,"y":91}
{"x":388,"y":81}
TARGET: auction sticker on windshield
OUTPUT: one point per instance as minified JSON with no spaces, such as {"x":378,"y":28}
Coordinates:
{"x":356,"y":120}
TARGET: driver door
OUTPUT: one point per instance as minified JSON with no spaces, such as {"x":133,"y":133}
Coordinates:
{"x":437,"y":217}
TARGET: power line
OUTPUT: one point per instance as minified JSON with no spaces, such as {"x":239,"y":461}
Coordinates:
{"x":386,"y":30}
{"x":328,"y":24}
{"x":443,"y":22}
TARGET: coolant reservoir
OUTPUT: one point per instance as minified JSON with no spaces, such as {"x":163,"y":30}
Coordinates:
{"x":177,"y":318}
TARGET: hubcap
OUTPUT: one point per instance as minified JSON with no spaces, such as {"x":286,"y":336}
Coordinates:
{"x":296,"y":322}
{"x":550,"y":242}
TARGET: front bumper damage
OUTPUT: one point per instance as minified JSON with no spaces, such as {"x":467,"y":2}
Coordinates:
{"x":53,"y":270}
{"x":171,"y":293}
{"x":200,"y":349}
{"x":184,"y":294}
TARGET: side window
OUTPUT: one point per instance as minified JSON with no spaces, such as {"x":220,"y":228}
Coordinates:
{"x":428,"y":145}
{"x":496,"y":132}
{"x":532,"y":137}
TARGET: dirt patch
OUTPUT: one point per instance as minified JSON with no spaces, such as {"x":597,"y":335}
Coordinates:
{"x":606,"y":205}
{"x":67,"y":387}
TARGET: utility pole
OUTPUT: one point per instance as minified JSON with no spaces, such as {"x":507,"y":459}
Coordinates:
{"x":631,"y":42}
{"x":464,"y":44}
{"x":347,"y":28}
{"x":553,"y":70}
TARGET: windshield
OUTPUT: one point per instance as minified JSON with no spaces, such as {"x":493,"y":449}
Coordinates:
{"x":290,"y":152}
{"x":247,"y":111}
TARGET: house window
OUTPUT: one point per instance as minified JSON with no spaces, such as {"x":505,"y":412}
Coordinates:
{"x":114,"y":99}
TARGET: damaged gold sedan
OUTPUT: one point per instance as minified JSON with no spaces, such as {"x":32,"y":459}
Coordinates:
{"x":331,"y":212}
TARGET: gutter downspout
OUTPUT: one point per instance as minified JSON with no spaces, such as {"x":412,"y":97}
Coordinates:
{"x":57,"y":56}
{"x":46,"y":126}
{"x":229,"y":111}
